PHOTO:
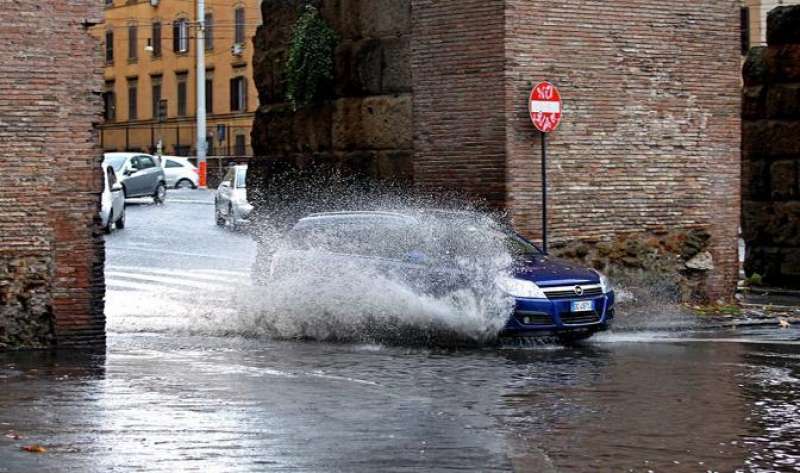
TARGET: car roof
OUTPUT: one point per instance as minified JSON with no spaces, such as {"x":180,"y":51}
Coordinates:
{"x":354,"y":217}
{"x":125,"y":154}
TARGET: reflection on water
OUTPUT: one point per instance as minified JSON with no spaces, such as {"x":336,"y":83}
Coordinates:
{"x":160,"y":403}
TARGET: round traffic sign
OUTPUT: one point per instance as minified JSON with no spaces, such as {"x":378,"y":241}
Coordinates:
{"x":544,"y":106}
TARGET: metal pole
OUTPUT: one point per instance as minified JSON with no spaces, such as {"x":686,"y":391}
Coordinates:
{"x":201,"y":92}
{"x":544,"y":192}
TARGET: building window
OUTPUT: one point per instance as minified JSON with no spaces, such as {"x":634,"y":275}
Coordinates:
{"x":238,"y":94}
{"x":109,"y":47}
{"x":180,"y":36}
{"x":133,"y":33}
{"x":209,"y":31}
{"x":133,"y":112}
{"x":156,"y":94}
{"x":239,"y":21}
{"x":745,"y":31}
{"x":182,"y":93}
{"x":239,"y":146}
{"x":210,"y":95}
{"x":156,"y":40}
{"x":109,"y":102}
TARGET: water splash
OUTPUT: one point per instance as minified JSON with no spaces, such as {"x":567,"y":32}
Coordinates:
{"x":374,"y":295}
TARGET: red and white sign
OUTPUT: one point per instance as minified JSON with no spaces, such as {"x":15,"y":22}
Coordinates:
{"x":545,"y":107}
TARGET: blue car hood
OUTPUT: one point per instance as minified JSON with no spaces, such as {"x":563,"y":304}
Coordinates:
{"x":547,"y":271}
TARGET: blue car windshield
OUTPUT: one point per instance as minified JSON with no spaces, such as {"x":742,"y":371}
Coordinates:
{"x":396,"y":241}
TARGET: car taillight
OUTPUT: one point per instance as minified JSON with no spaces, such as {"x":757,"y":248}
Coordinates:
{"x":196,"y":171}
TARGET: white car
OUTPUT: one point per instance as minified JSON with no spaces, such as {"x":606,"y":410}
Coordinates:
{"x":112,"y":201}
{"x":180,"y":172}
{"x":230,"y":201}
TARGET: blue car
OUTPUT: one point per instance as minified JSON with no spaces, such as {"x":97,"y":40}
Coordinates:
{"x":439,"y":251}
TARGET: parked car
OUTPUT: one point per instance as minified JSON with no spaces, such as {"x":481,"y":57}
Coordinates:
{"x":112,"y":201}
{"x":180,"y":172}
{"x":551,"y":297}
{"x":230,"y":200}
{"x":140,"y":174}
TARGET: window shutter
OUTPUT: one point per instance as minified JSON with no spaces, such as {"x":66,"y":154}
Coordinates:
{"x":244,"y":94}
{"x":233,"y":94}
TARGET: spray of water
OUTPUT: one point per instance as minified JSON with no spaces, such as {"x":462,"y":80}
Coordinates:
{"x":400,"y":274}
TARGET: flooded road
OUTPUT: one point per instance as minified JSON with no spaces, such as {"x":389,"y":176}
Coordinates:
{"x":158,"y":403}
{"x":173,"y":392}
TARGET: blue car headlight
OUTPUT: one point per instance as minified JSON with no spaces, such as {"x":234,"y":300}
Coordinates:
{"x":521,"y":288}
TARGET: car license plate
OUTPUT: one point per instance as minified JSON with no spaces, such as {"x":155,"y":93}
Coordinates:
{"x":582,"y":306}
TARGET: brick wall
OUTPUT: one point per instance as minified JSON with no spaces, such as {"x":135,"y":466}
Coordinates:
{"x":459,"y":104}
{"x":51,"y":252}
{"x":649,"y":140}
{"x":771,"y":152}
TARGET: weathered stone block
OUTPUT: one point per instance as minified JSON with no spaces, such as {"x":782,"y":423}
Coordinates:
{"x":771,"y":138}
{"x":790,"y":264}
{"x":367,"y":66}
{"x":396,"y":75}
{"x":784,"y":63}
{"x":276,"y":133}
{"x":755,"y":70}
{"x":783,"y":25}
{"x":380,"y":18}
{"x":754,"y":102}
{"x":360,"y":163}
{"x":771,"y":223}
{"x":783,"y":177}
{"x":347,"y":127}
{"x":783,"y":101}
{"x":387,"y":122}
{"x":756,"y":219}
{"x":755,"y":180}
{"x":343,"y":16}
{"x":396,"y":165}
{"x":312,"y":129}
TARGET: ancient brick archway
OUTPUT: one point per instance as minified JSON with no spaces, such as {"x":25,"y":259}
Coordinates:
{"x":51,"y":251}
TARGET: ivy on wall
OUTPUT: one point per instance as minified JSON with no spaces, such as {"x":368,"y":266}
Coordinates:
{"x":310,"y":62}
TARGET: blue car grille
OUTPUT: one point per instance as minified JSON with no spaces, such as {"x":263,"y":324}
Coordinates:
{"x":577,"y":318}
{"x":569,"y":293}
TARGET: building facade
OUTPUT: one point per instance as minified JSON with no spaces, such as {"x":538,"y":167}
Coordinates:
{"x":150,"y":80}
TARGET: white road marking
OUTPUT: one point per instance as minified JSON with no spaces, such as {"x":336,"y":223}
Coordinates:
{"x":169,"y":252}
{"x":185,"y":281}
{"x":203,"y":274}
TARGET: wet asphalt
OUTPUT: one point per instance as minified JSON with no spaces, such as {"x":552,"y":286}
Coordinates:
{"x":181,"y":388}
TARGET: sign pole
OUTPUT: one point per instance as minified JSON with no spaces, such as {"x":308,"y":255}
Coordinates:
{"x":545,"y":108}
{"x":544,"y":192}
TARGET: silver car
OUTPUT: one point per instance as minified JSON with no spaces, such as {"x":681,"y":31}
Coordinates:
{"x":180,"y":172}
{"x":112,"y":201}
{"x":230,"y":201}
{"x":140,"y":174}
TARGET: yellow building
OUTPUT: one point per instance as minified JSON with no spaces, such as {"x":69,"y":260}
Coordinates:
{"x":150,"y":75}
{"x":754,"y":18}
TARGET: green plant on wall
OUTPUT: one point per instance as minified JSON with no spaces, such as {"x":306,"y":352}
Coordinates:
{"x":310,"y":62}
